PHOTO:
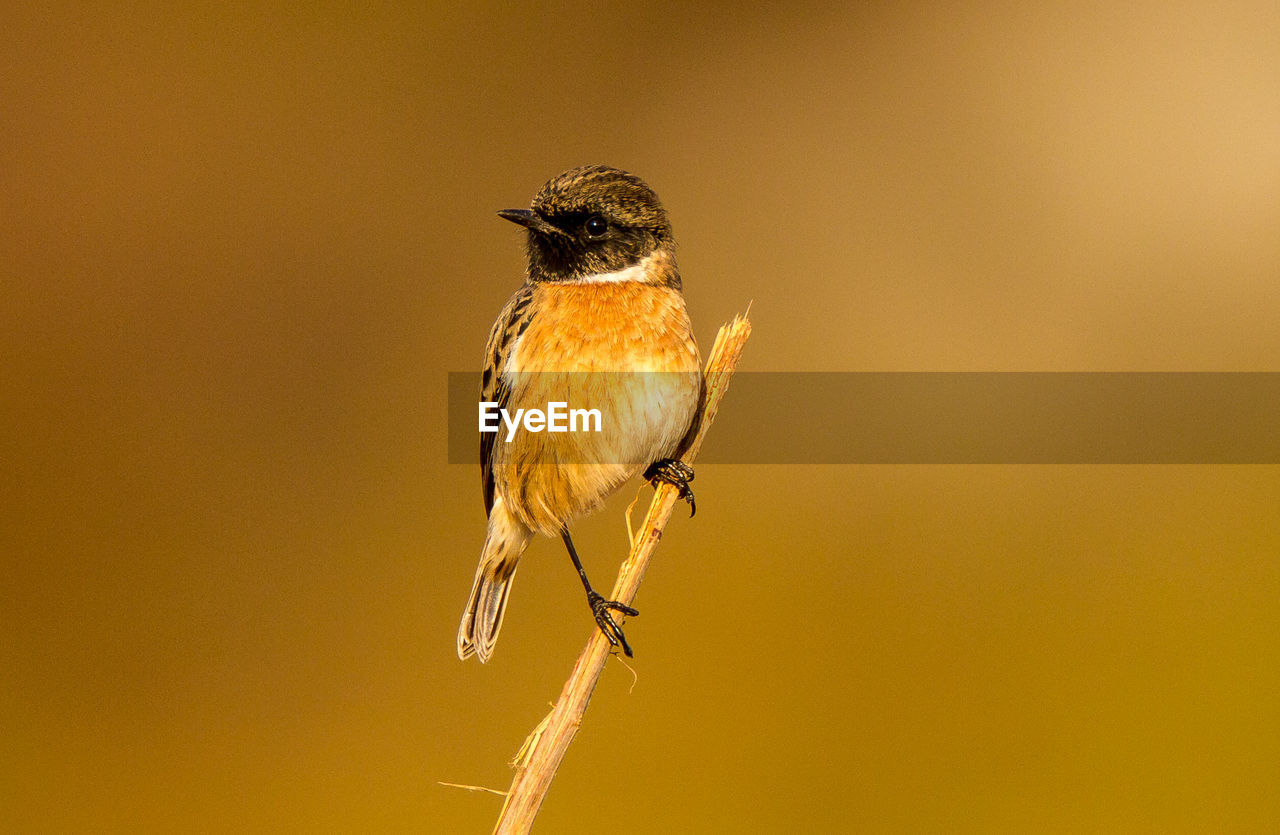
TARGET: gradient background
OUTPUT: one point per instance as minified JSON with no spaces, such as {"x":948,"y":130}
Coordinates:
{"x":240,"y":248}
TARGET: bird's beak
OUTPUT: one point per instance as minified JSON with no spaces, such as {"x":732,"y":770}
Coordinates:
{"x":531,"y":220}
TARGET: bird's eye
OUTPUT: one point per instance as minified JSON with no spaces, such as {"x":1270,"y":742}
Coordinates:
{"x":596,"y":226}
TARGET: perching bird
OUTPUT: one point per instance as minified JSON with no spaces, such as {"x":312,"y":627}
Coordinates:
{"x":602,"y":295}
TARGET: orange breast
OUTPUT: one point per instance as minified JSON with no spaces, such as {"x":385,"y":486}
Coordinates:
{"x":625,"y":326}
{"x":548,"y":479}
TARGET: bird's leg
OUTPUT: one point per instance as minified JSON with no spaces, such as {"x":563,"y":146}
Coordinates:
{"x":599,"y":605}
{"x":676,"y":473}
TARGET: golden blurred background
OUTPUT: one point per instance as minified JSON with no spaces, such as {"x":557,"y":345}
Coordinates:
{"x":242,"y":246}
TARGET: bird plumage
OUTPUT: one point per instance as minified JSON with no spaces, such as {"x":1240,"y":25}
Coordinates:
{"x":600,"y":320}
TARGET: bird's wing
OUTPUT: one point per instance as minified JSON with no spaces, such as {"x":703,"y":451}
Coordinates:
{"x":512,"y":321}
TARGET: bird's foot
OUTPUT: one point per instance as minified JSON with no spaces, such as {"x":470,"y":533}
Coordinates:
{"x":600,"y":608}
{"x":676,"y":473}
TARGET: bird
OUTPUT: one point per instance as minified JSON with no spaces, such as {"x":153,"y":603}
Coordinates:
{"x":600,"y":317}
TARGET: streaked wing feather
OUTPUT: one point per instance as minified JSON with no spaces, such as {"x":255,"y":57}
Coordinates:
{"x":512,"y":321}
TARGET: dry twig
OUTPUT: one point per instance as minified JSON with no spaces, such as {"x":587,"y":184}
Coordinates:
{"x":472,"y":788}
{"x":543,"y":751}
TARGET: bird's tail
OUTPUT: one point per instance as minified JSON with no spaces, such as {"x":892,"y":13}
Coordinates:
{"x":505,"y":542}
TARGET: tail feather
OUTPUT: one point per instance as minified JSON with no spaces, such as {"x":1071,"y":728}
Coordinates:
{"x":482,"y":619}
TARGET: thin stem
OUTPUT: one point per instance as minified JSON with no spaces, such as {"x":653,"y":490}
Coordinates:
{"x":545,"y":749}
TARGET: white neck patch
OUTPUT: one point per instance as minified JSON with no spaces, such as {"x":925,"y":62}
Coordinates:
{"x":636,"y":272}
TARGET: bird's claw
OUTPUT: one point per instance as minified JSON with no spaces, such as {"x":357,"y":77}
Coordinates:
{"x":676,"y":473}
{"x":612,"y":631}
